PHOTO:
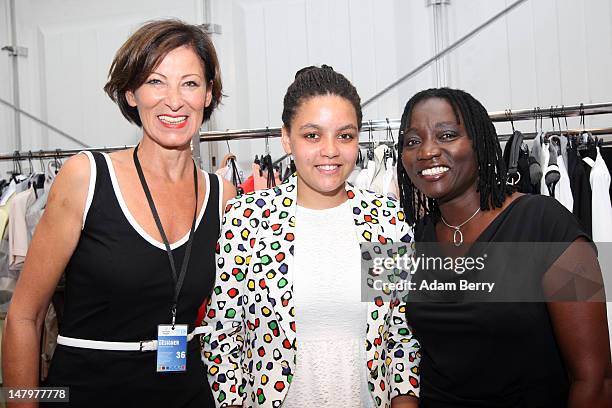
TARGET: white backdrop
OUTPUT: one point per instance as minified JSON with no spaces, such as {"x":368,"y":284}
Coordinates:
{"x":545,"y":52}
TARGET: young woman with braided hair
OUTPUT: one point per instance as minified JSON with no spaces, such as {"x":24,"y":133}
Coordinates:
{"x":490,"y":350}
{"x":288,"y":327}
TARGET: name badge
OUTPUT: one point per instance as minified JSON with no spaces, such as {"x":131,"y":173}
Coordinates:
{"x":171,"y":348}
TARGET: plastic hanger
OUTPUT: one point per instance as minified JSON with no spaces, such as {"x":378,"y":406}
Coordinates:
{"x":392,"y":151}
{"x":514,"y":177}
{"x":370,"y":152}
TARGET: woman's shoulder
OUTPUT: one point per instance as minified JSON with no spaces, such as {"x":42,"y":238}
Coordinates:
{"x":387,"y":211}
{"x":256,"y":201}
{"x":546,"y":216}
{"x":532,"y":205}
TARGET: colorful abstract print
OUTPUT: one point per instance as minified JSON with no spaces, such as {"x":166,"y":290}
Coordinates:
{"x":250,"y":347}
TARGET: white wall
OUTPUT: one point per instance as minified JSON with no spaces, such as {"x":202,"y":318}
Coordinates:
{"x":543,"y":53}
{"x":546,"y":52}
{"x":6,"y":86}
{"x":70,"y":47}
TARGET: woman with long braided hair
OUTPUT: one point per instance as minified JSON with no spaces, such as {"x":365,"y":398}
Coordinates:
{"x":520,"y":342}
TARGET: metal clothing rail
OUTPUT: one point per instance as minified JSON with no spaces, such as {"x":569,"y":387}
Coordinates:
{"x":262,"y":133}
{"x":56,"y":154}
{"x":557,"y":111}
{"x":367,"y":126}
{"x":532,"y":135}
{"x":394,"y":124}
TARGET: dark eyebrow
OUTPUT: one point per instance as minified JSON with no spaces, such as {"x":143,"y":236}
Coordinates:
{"x":310,"y":125}
{"x":317,"y":127}
{"x":188,"y":75}
{"x":183,"y":77}
{"x":347,"y":127}
{"x":445,"y":124}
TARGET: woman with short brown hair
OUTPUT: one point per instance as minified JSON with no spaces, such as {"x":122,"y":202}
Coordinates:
{"x":134,"y":232}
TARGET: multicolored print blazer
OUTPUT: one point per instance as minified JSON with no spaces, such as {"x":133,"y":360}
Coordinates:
{"x":250,"y":347}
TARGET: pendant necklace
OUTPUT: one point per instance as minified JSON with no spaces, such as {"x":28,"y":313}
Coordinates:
{"x":457,"y":234}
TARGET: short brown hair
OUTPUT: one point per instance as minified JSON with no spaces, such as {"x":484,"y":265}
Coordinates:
{"x":143,"y":52}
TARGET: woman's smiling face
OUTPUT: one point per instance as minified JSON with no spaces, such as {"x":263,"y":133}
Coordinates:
{"x":171,"y":102}
{"x":437,"y":154}
{"x":324,"y":141}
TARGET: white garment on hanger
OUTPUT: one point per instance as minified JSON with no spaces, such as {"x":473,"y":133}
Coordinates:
{"x":544,"y":156}
{"x":365,"y":177}
{"x":14,"y":187}
{"x":388,"y":180}
{"x":563,"y":190}
{"x":18,"y":229}
{"x":352,"y":178}
{"x":377,"y":184}
{"x":600,"y":202}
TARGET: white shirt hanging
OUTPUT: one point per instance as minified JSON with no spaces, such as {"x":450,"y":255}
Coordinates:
{"x":601,"y":207}
{"x":563,"y":190}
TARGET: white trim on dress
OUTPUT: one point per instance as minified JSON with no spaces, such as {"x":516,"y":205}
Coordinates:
{"x":128,"y":215}
{"x":92,"y":185}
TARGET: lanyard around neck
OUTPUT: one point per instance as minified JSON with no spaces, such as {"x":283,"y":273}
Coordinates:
{"x":178,"y":280}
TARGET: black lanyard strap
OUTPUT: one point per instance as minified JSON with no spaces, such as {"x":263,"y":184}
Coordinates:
{"x":178,"y":280}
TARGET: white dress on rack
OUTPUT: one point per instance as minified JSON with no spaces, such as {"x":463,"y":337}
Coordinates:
{"x":601,"y":207}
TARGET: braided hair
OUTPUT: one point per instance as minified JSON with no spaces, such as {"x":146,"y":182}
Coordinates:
{"x":317,"y":81}
{"x":492,"y":174}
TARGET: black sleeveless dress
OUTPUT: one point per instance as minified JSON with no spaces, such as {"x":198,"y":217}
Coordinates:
{"x":119,"y":287}
{"x":493,"y":354}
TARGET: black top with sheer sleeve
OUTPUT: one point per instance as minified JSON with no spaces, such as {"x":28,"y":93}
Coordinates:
{"x":480,"y":352}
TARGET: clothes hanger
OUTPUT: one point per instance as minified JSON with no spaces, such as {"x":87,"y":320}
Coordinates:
{"x":541,"y":125}
{"x":57,"y":162}
{"x":16,"y":166}
{"x":370,"y":152}
{"x":390,"y":138}
{"x":359,"y":161}
{"x":514,"y":177}
{"x":588,"y":145}
{"x":36,"y":180}
{"x":266,"y":162}
{"x":552,"y":174}
{"x":236,"y":180}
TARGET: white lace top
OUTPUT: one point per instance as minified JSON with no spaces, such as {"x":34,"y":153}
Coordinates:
{"x":330,"y":317}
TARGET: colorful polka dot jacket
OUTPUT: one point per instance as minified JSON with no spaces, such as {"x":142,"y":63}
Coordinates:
{"x":249,"y":349}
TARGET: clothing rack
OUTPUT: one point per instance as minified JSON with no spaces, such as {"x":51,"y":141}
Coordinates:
{"x":394,"y":124}
{"x":367,"y":127}
{"x":532,"y":135}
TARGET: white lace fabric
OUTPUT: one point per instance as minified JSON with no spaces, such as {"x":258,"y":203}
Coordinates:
{"x":330,"y":317}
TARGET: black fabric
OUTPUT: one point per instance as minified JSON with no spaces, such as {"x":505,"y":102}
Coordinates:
{"x":606,"y":155}
{"x":119,"y":288}
{"x":522,"y":165}
{"x":581,"y":189}
{"x":483,"y":354}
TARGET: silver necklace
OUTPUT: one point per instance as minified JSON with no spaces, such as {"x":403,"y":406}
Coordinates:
{"x":457,"y":234}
